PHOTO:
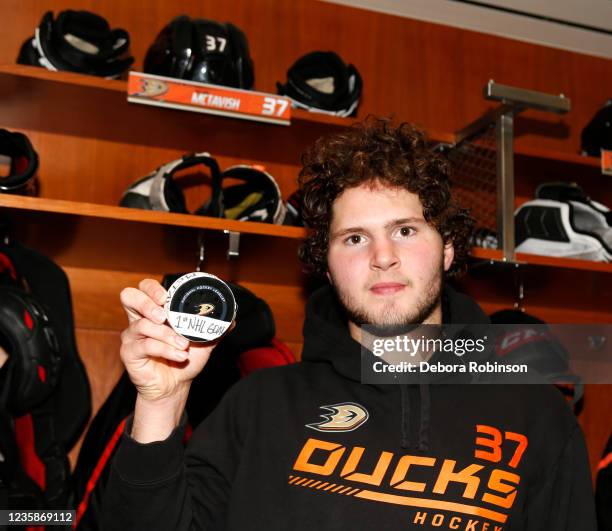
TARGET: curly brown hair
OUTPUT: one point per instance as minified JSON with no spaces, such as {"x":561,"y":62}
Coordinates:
{"x":375,"y":150}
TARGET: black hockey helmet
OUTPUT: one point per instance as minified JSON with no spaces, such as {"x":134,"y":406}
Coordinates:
{"x":570,"y":191}
{"x":256,"y":198}
{"x":78,"y":41}
{"x":29,"y":338}
{"x":201,"y":50}
{"x":24,"y":162}
{"x":597,"y":134}
{"x":45,"y":294}
{"x":160,"y":191}
{"x":44,"y":392}
{"x":537,"y":347}
{"x":323,"y":82}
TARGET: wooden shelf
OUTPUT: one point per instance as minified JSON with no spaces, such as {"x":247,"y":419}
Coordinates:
{"x":68,"y":78}
{"x":571,"y":158}
{"x":80,"y":108}
{"x":486,"y":254}
{"x":300,"y":117}
{"x":145,"y":216}
{"x":566,"y":263}
{"x":32,"y":73}
{"x":116,"y":213}
{"x":541,"y":260}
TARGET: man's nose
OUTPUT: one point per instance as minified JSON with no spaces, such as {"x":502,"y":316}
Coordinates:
{"x":384,"y":255}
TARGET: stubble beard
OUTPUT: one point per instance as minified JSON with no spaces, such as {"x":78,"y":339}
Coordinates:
{"x":390,"y":321}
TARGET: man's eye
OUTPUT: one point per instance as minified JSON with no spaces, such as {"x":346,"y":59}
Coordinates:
{"x":406,"y":231}
{"x":354,"y":239}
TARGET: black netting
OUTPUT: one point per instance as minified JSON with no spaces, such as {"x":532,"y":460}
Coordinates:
{"x":474,"y":181}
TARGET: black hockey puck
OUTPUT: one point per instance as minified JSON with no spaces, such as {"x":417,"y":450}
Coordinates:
{"x":200,"y":307}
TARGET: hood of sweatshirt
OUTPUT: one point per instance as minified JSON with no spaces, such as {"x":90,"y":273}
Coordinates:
{"x":327,"y":340}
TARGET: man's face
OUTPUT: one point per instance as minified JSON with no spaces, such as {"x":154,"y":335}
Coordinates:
{"x":384,"y":261}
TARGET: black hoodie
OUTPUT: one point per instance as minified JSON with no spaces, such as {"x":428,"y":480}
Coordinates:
{"x":308,"y":447}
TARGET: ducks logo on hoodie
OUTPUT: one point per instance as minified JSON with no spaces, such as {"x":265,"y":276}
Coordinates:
{"x":346,"y":416}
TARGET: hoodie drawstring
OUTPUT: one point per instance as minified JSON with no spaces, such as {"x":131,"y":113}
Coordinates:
{"x":424,"y":420}
{"x":425,"y":416}
{"x":405,"y":416}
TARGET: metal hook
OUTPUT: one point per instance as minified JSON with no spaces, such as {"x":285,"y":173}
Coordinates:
{"x":200,"y":251}
{"x":518,"y":283}
{"x":233,"y":250}
{"x":5,"y":227}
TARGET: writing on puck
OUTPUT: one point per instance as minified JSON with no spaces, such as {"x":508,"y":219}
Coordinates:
{"x":200,"y":307}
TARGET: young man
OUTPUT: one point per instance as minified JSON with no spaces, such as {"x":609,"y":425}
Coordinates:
{"x":309,"y":446}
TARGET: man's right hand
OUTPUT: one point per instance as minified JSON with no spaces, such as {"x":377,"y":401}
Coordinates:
{"x":160,"y":363}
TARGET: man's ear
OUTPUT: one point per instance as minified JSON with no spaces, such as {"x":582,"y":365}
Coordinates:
{"x":449,"y":255}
